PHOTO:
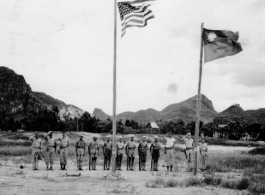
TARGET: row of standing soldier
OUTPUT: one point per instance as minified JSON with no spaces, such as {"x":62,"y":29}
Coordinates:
{"x":61,"y":144}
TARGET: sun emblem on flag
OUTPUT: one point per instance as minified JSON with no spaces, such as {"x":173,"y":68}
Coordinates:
{"x":211,"y":36}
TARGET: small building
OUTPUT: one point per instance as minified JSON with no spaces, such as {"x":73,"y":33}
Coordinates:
{"x":153,"y":127}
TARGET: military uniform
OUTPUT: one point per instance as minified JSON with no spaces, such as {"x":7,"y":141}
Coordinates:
{"x":189,"y":149}
{"x":80,"y":153}
{"x":107,"y":151}
{"x":170,"y":152}
{"x":155,"y":153}
{"x":120,"y":147}
{"x":36,"y":149}
{"x":142,"y":151}
{"x":49,"y":157}
{"x":63,"y":152}
{"x":203,"y":151}
{"x":93,"y":149}
{"x":130,"y":150}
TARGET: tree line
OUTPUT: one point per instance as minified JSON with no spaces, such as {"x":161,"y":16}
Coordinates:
{"x":49,"y":120}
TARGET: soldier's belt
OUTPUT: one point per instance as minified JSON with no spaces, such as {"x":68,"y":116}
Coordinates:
{"x":50,"y":146}
{"x":188,"y":148}
{"x":143,"y":148}
{"x":131,"y":148}
{"x":80,"y":147}
{"x":169,"y":148}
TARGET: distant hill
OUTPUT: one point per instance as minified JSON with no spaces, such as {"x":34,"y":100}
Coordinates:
{"x":98,"y":113}
{"x":17,"y":98}
{"x":259,"y":115}
{"x":236,"y":113}
{"x":185,"y":110}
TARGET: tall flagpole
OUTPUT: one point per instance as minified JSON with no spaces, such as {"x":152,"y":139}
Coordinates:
{"x":198,"y":110}
{"x":114,"y":91}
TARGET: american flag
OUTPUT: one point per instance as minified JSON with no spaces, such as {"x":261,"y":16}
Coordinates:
{"x":133,"y":15}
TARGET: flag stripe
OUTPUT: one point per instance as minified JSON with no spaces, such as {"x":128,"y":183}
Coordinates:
{"x":134,"y":16}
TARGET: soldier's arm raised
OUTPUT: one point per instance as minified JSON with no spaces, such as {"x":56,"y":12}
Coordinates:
{"x":183,"y":137}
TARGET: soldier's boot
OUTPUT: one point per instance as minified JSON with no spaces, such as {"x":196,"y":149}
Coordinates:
{"x":171,"y":168}
{"x":95,"y":163}
{"x":144,"y":166}
{"x":132,"y":163}
{"x":129,"y":163}
{"x":37,"y":164}
{"x":167,"y":168}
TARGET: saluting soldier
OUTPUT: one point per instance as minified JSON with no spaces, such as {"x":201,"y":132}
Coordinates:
{"x":120,"y":148}
{"x":36,"y":149}
{"x":50,"y":150}
{"x":203,"y":152}
{"x":80,"y":148}
{"x":107,"y":153}
{"x":189,"y":146}
{"x":93,"y":151}
{"x":63,"y":150}
{"x":169,"y":150}
{"x":155,"y":153}
{"x":142,"y":151}
{"x":130,"y":150}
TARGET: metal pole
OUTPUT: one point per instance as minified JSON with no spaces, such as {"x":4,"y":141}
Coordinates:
{"x":114,"y":90}
{"x":198,"y":110}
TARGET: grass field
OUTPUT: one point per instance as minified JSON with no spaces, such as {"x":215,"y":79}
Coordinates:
{"x":233,"y":170}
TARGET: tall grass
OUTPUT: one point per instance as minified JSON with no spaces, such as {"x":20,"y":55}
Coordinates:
{"x":233,"y":161}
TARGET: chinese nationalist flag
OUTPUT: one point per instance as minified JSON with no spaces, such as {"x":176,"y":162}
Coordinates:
{"x":219,"y":44}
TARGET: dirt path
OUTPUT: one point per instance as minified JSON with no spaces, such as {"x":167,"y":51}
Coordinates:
{"x":18,"y":181}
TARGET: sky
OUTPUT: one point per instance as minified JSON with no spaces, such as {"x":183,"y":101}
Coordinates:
{"x":65,"y":49}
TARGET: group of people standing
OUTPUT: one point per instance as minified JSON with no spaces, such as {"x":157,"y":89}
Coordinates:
{"x":53,"y":146}
{"x":61,"y":144}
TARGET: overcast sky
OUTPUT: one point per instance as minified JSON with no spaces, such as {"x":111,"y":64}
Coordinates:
{"x":65,"y":49}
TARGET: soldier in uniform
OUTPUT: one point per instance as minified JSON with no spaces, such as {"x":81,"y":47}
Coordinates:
{"x":63,"y":150}
{"x":36,"y":149}
{"x":120,"y":147}
{"x":189,"y":144}
{"x":50,"y":149}
{"x":155,"y":153}
{"x":142,"y":151}
{"x":93,"y":151}
{"x":170,"y":150}
{"x":203,"y":152}
{"x":107,"y":153}
{"x":130,"y":149}
{"x":80,"y":148}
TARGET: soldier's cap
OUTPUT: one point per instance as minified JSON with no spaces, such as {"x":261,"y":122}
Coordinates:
{"x":188,"y":134}
{"x":156,"y":137}
{"x":131,"y":135}
{"x":144,"y":136}
{"x":120,"y":137}
{"x":50,"y":132}
{"x":94,"y":136}
{"x":81,"y":136}
{"x":108,"y":136}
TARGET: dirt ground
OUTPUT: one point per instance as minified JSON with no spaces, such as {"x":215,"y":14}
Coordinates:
{"x":16,"y":181}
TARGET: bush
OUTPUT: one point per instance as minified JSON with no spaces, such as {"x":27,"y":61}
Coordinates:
{"x":212,"y":180}
{"x":194,"y":181}
{"x":258,"y":150}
